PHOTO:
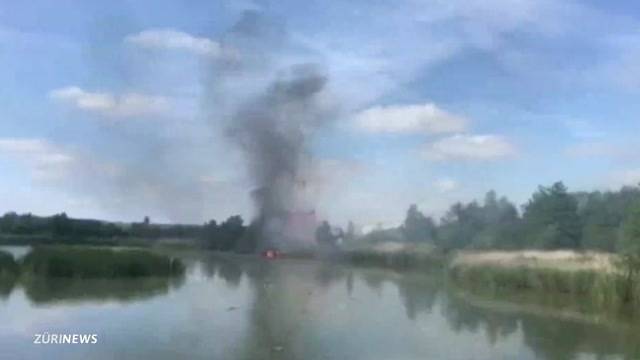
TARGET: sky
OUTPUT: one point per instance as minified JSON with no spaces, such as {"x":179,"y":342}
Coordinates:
{"x":121,"y":109}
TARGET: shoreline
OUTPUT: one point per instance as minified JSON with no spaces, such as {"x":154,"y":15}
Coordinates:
{"x":590,"y":277}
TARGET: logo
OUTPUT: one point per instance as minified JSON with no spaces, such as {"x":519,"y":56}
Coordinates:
{"x":46,"y":338}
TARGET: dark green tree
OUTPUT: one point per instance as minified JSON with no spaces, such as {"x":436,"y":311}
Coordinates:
{"x":459,"y":226}
{"x":61,"y":225}
{"x":500,"y":223}
{"x":8,"y":222}
{"x":418,"y":228}
{"x":551,"y":219}
{"x":602,"y":214}
{"x":230,"y":231}
{"x":491,"y":225}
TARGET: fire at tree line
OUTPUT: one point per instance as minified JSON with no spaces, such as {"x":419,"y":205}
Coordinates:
{"x":553,"y":218}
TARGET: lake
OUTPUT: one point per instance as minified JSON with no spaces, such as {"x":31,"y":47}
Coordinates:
{"x":232,"y":307}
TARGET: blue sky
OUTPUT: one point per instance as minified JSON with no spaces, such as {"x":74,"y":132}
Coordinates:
{"x":118,"y":109}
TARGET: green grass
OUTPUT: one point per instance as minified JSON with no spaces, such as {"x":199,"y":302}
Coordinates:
{"x":81,"y":262}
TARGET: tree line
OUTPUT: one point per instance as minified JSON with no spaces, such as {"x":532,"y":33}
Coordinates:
{"x":553,"y":218}
{"x":32,"y":229}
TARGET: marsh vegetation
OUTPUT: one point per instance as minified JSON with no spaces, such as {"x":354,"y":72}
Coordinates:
{"x":592,"y":282}
{"x":52,"y":274}
{"x":82,"y":262}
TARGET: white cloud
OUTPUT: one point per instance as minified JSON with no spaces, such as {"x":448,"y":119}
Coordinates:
{"x":171,"y":39}
{"x":22,"y":146}
{"x":445,"y":185}
{"x":49,"y":162}
{"x":426,"y":118}
{"x":37,"y":150}
{"x":630,"y":177}
{"x":469,"y":147}
{"x":46,"y":160}
{"x":104,"y":103}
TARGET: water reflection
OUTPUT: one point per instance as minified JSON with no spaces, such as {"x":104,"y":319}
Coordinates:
{"x":231,"y":272}
{"x":9,"y":271}
{"x":228,"y":307}
{"x":276,"y":316}
{"x":418,"y":293}
{"x":548,"y":333}
{"x":463,"y":316}
{"x":374,"y":280}
{"x":287,"y":299}
{"x":49,"y":290}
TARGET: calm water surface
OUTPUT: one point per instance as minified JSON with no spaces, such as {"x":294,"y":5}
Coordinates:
{"x":242,"y":308}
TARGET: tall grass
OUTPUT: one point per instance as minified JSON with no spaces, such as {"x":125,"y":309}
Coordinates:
{"x":81,"y":262}
{"x":591,"y":289}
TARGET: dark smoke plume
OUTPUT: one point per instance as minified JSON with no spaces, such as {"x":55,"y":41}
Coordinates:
{"x":273,"y":130}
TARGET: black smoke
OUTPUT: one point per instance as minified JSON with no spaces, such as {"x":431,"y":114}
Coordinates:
{"x":273,"y":131}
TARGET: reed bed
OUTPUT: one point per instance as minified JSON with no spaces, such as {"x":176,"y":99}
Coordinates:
{"x":590,"y":278}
